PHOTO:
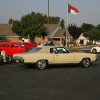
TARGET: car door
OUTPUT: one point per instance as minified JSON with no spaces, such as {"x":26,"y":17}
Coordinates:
{"x":14,"y":48}
{"x":5,"y":47}
{"x":62,"y":57}
{"x":98,"y":48}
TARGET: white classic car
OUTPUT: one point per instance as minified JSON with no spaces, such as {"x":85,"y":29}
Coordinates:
{"x":42,"y":56}
{"x":95,"y":49}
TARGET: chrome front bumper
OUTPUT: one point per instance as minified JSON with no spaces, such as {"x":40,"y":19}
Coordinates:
{"x":18,"y":60}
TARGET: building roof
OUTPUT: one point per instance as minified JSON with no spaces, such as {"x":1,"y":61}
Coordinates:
{"x":51,"y":27}
{"x":5,"y":30}
{"x":60,"y":33}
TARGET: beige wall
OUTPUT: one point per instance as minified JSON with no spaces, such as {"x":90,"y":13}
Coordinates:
{"x":57,"y":41}
{"x":40,"y":40}
{"x":14,"y":39}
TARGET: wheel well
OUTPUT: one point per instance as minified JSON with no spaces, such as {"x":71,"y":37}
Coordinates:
{"x":45,"y":60}
{"x":94,"y":49}
{"x":86,"y":58}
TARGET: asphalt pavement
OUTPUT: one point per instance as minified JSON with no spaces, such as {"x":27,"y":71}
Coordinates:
{"x":60,"y":82}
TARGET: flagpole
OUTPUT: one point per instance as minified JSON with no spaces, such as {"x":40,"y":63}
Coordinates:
{"x":67,"y":25}
{"x":48,"y":18}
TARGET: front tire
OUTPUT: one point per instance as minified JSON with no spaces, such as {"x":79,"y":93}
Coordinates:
{"x":41,"y":64}
{"x":8,"y":59}
{"x":85,"y":63}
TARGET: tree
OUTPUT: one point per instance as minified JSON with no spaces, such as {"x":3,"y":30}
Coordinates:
{"x":86,"y":27}
{"x":10,"y":21}
{"x":1,"y":38}
{"x":98,"y":27}
{"x":74,"y":31}
{"x":93,"y":35}
{"x":52,"y":19}
{"x":62,"y":24}
{"x":31,"y":25}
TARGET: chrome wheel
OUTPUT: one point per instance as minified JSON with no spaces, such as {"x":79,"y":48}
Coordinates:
{"x":41,"y":64}
{"x":85,"y":63}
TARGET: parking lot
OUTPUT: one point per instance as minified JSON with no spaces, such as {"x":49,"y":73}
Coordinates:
{"x":60,"y":82}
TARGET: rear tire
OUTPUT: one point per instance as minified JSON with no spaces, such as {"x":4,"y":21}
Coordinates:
{"x":94,"y":51}
{"x":1,"y":60}
{"x":41,"y":64}
{"x":85,"y":63}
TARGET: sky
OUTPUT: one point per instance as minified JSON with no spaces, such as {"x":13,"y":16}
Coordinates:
{"x":89,"y":10}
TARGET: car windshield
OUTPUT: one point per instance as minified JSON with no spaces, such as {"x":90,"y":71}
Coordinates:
{"x":46,"y":44}
{"x":56,"y":44}
{"x":34,"y":50}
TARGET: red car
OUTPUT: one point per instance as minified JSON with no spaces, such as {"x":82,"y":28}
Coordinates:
{"x":12,"y":48}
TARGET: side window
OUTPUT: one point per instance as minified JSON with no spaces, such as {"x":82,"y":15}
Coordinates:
{"x":14,"y":46}
{"x":62,"y":50}
{"x":5,"y":45}
{"x":53,"y":50}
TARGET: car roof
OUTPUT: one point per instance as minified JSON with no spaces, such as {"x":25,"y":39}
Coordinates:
{"x":51,"y":47}
{"x":10,"y":42}
{"x":3,"y":40}
{"x":46,"y":49}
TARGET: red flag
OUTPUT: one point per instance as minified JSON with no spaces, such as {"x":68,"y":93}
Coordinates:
{"x":72,"y":9}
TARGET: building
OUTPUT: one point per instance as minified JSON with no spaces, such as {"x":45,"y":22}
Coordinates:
{"x":82,"y":40}
{"x":5,"y":31}
{"x":55,"y":33}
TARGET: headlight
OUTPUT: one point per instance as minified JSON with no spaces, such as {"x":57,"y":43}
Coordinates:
{"x":14,"y":55}
{"x":17,"y":57}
